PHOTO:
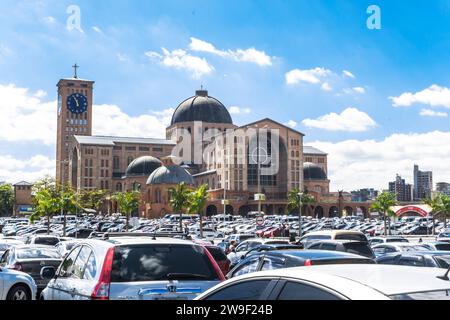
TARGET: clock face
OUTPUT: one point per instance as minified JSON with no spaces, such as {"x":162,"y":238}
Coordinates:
{"x":77,"y":103}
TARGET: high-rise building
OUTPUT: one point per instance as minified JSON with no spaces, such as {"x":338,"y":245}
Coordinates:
{"x":363,"y":195}
{"x":443,"y":187}
{"x":423,"y":184}
{"x":401,"y":189}
{"x":74,"y":119}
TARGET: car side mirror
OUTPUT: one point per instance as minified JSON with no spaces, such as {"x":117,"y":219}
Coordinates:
{"x":48,"y":273}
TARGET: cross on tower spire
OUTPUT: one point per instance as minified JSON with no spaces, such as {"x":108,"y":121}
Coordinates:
{"x":75,"y":67}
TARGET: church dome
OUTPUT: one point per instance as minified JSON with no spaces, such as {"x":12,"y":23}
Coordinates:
{"x":170,"y":175}
{"x":143,"y":166}
{"x":312,"y":171}
{"x":201,"y":107}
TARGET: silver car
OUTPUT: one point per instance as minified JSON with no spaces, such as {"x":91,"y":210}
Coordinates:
{"x":15,"y":285}
{"x":132,"y":268}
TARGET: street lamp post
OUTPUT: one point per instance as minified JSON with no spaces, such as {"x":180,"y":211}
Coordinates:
{"x":300,"y":214}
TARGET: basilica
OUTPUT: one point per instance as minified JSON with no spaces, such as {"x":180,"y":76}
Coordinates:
{"x":246,"y":168}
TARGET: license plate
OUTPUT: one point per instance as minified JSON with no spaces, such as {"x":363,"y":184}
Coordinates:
{"x":170,"y":297}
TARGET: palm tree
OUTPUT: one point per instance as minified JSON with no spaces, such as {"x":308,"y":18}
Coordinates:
{"x":383,"y":204}
{"x":296,"y":200}
{"x":179,"y":200}
{"x":197,"y":203}
{"x":128,"y":202}
{"x":440,"y":205}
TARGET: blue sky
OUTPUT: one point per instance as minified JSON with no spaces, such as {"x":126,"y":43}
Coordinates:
{"x":251,"y":47}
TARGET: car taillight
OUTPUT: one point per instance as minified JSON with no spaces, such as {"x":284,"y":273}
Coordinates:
{"x":17,"y":266}
{"x":101,"y":290}
{"x":215,"y":265}
{"x":308,"y":263}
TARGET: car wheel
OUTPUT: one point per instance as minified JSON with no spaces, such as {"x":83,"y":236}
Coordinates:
{"x":19,"y":292}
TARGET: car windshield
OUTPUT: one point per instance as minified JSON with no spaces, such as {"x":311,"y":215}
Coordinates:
{"x":217,"y":253}
{"x":444,"y":261}
{"x":351,"y":236}
{"x":425,"y":295}
{"x":413,"y":248}
{"x":161,"y":262}
{"x":37,"y":253}
{"x":358,"y":248}
{"x":443,"y":246}
{"x":46,"y":241}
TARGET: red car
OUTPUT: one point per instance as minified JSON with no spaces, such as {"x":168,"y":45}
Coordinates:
{"x":218,"y":255}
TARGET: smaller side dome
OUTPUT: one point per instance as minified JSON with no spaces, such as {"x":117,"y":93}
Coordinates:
{"x":312,"y":171}
{"x":143,"y":166}
{"x":170,"y":175}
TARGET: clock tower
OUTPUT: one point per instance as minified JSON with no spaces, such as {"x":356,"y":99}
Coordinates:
{"x":74,"y":116}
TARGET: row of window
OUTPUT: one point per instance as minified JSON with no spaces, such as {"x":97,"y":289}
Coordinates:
{"x":295,"y":142}
{"x":311,"y":159}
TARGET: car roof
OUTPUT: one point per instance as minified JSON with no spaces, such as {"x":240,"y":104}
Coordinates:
{"x":115,"y":241}
{"x":403,"y":244}
{"x":313,"y":254}
{"x":386,"y":279}
{"x":333,"y":232}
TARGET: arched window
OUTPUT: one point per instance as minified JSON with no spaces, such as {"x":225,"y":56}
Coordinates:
{"x":119,"y":187}
{"x":297,"y":154}
{"x":292,"y":154}
{"x":129,"y":160}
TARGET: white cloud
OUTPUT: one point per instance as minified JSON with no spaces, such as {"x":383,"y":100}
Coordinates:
{"x":291,"y":123}
{"x":123,"y":57}
{"x":348,"y":74}
{"x":97,"y":29}
{"x":435,"y":96}
{"x":238,"y":110}
{"x":432,"y":113}
{"x":326,"y":87}
{"x":375,"y":163}
{"x":360,"y":90}
{"x":14,"y":170}
{"x":313,"y":76}
{"x":25,"y":112}
{"x":240,"y":55}
{"x":181,"y":60}
{"x":351,"y":120}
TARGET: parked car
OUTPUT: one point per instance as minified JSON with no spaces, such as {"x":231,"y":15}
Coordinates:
{"x":132,"y":268}
{"x":16,"y":285}
{"x":43,"y":240}
{"x":269,"y":260}
{"x":30,"y":259}
{"x":335,"y":282}
{"x":377,"y":240}
{"x":445,"y":233}
{"x":382,"y":249}
{"x":437,"y":246}
{"x":361,"y":248}
{"x":433,"y":259}
{"x":5,"y":244}
{"x":248,"y":245}
{"x":332,"y":235}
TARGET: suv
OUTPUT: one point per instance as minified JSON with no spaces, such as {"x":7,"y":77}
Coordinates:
{"x":361,"y":248}
{"x":132,"y":268}
{"x":332,"y":235}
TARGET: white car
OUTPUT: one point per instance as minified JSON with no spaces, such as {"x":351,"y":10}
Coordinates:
{"x":248,"y":245}
{"x":335,"y":282}
{"x":392,"y":247}
{"x":15,"y":285}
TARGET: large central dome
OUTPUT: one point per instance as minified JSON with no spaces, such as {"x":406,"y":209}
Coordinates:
{"x":201,"y":107}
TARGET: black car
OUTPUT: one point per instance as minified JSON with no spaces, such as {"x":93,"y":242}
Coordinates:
{"x":433,"y":259}
{"x":356,"y":247}
{"x":31,"y":259}
{"x":268,"y":260}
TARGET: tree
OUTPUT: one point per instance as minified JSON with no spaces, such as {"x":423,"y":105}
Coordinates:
{"x":128,"y":202}
{"x":179,"y":200}
{"x":68,"y":203}
{"x":93,"y":199}
{"x":6,"y":199}
{"x":45,"y":205}
{"x":197,"y":203}
{"x":440,"y":205}
{"x":296,"y":200}
{"x":383,"y":204}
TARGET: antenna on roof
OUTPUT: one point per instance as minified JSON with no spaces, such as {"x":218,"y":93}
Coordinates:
{"x":445,"y":276}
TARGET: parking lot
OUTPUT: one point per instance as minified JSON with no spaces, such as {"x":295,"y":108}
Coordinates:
{"x":225,"y":258}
